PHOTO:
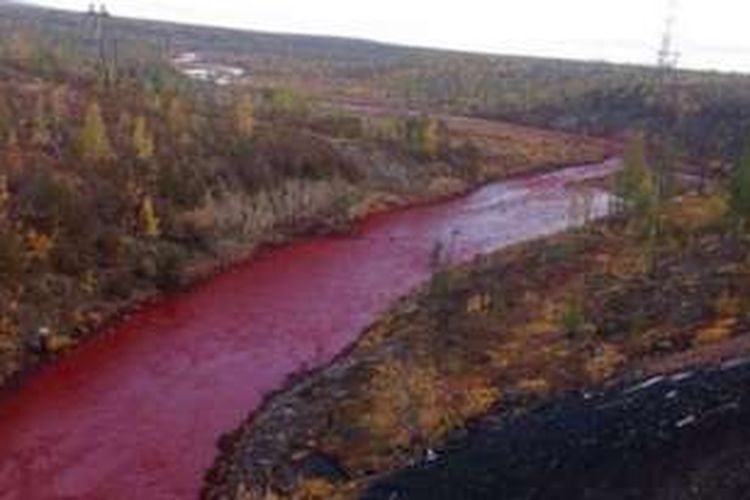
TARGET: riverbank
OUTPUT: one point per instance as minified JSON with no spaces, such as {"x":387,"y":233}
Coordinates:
{"x":388,"y":181}
{"x":145,"y":401}
{"x":512,"y":330}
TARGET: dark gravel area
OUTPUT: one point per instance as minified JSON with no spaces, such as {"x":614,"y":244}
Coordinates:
{"x":684,"y":436}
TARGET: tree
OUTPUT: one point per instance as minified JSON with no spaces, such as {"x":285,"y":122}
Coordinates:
{"x":40,"y":128}
{"x":124,"y":126}
{"x":148,"y":220}
{"x":634,"y":176}
{"x":739,"y":189}
{"x":58,"y":103}
{"x":666,"y":152}
{"x":422,"y":136}
{"x":13,"y":156}
{"x":177,"y":119}
{"x":4,"y":198}
{"x":244,"y":119}
{"x":143,"y":141}
{"x":284,"y":101}
{"x":11,"y":254}
{"x":635,"y":186}
{"x":93,"y":140}
{"x":20,"y":47}
{"x":6,"y":116}
{"x":179,"y":122}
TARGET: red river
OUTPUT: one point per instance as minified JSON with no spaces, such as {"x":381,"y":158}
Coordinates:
{"x":136,"y":413}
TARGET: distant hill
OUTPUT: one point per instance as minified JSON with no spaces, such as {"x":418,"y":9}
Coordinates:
{"x":707,"y":112}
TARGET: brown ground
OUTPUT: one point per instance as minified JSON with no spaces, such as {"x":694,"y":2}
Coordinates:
{"x":509,"y":149}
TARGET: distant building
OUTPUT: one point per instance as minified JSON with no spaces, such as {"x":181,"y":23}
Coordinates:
{"x":190,"y":65}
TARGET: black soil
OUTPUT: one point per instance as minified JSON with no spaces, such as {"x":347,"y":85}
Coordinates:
{"x":681,"y":437}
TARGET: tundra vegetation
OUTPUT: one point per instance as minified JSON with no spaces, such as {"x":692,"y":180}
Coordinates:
{"x":662,"y":283}
{"x":120,"y":177}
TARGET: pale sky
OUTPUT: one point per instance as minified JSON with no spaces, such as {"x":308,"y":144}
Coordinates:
{"x":713,"y":34}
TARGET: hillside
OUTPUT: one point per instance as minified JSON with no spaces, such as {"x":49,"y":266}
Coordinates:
{"x":704,"y":113}
{"x":121,"y":178}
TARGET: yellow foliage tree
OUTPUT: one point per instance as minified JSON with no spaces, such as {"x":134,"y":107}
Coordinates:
{"x":93,"y":141}
{"x":39,"y":245}
{"x":430,"y":139}
{"x":143,"y":141}
{"x":148,"y":219}
{"x":244,"y":116}
{"x":422,"y":136}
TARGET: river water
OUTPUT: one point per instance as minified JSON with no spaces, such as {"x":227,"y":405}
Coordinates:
{"x":136,"y":412}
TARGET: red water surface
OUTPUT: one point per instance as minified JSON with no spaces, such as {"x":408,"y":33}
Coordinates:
{"x":135,"y":413}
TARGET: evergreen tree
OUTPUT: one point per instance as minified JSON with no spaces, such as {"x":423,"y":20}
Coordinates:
{"x":635,"y":175}
{"x":636,"y":186}
{"x":93,"y":141}
{"x":283,"y":101}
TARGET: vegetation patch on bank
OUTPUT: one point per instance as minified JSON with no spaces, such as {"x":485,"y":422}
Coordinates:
{"x":504,"y":333}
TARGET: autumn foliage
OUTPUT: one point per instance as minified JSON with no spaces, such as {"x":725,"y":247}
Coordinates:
{"x":118,"y":176}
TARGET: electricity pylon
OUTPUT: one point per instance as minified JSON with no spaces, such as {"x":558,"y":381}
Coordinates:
{"x":668,"y":56}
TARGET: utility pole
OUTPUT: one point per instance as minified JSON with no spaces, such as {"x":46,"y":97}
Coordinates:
{"x":668,"y":55}
{"x":97,"y":33}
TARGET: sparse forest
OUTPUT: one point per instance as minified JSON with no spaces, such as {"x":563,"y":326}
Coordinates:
{"x":120,"y":177}
{"x":117,"y":174}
